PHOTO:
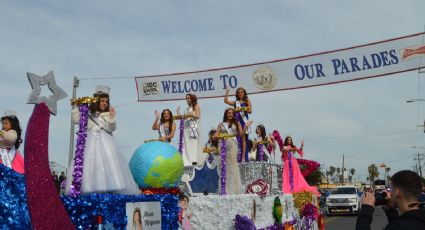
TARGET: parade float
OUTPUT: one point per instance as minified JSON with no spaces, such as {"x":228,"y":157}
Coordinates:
{"x":31,"y":200}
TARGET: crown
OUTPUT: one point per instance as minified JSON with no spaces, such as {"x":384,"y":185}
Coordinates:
{"x":102,"y":89}
{"x":10,"y":113}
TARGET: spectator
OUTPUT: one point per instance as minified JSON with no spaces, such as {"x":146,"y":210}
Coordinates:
{"x":422,"y":195}
{"x":406,"y":186}
{"x":56,"y":180}
{"x":62,"y":177}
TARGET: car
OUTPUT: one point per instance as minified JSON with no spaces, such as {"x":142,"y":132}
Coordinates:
{"x":343,"y":200}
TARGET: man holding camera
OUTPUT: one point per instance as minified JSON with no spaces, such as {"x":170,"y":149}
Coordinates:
{"x":406,"y":186}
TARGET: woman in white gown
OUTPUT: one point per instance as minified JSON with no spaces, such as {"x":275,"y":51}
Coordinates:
{"x":233,"y":177}
{"x":104,"y":169}
{"x":192,"y":144}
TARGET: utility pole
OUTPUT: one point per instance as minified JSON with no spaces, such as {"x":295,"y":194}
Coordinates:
{"x":342,"y":170}
{"x":419,"y":164}
{"x":75,"y":85}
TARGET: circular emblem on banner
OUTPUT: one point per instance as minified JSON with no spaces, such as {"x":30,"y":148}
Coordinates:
{"x":264,"y":78}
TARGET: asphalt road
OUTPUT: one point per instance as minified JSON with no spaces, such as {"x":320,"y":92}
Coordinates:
{"x":349,"y":222}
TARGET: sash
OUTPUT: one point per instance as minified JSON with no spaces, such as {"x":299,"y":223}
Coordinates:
{"x":161,"y":130}
{"x":193,"y":126}
{"x":102,"y":122}
{"x":260,"y":148}
{"x":7,"y":157}
{"x":242,"y":115}
{"x":229,"y":131}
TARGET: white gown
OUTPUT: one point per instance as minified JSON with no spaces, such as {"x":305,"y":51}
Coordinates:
{"x":104,"y":169}
{"x":192,"y":149}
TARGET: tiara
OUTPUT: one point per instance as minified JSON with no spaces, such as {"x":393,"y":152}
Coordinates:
{"x":10,"y":113}
{"x":102,"y":89}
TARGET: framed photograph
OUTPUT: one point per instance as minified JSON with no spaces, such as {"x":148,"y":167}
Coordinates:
{"x":143,"y":215}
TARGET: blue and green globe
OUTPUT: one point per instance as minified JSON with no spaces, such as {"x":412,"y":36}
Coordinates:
{"x":156,"y":165}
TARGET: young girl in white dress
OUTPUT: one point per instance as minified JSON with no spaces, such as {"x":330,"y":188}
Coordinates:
{"x":104,"y":169}
{"x":10,"y":140}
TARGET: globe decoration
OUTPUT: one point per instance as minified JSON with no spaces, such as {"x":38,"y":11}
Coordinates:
{"x":156,"y":165}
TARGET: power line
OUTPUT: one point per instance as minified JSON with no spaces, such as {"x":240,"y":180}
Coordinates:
{"x":102,"y":78}
{"x":408,"y":157}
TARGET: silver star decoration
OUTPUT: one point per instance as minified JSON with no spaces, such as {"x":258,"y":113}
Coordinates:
{"x":49,"y":79}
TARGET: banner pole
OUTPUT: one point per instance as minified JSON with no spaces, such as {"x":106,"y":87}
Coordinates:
{"x":75,"y":85}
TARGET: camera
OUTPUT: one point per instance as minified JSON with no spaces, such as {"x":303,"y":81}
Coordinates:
{"x":380,"y":198}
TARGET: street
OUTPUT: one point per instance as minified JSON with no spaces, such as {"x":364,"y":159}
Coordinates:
{"x":349,"y":222}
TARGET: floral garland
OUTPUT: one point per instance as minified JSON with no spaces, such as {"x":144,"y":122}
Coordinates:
{"x":84,"y":100}
{"x":302,"y":198}
{"x":181,"y":127}
{"x":309,"y":213}
{"x":79,"y":152}
{"x":310,"y":166}
{"x":278,"y":139}
{"x":223,"y":173}
{"x":244,"y":223}
{"x":288,"y":225}
{"x":161,"y":191}
{"x":241,"y":109}
{"x":225,"y":135}
{"x":239,"y":139}
{"x":152,"y":140}
{"x":209,"y":150}
{"x":184,"y":116}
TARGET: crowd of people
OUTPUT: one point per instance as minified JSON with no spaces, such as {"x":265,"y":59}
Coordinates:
{"x":59,"y":181}
{"x":233,"y":134}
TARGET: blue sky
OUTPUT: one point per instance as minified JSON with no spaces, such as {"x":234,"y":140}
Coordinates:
{"x":366,"y":120}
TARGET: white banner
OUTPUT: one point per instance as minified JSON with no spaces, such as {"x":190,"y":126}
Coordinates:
{"x":350,"y":64}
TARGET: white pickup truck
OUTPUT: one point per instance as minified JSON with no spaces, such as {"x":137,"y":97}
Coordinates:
{"x":343,"y":200}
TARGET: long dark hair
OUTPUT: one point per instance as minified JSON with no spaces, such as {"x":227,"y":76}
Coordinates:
{"x":285,"y":143}
{"x":137,"y":210}
{"x":170,"y":122}
{"x":263,"y":132}
{"x":245,"y":97}
{"x":193,"y":99}
{"x":233,"y":120}
{"x":14,"y":123}
{"x":95,"y":107}
{"x":214,"y":142}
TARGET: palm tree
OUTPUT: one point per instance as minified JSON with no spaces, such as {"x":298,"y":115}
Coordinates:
{"x":331,"y":171}
{"x":387,"y":169}
{"x":387,"y":174}
{"x":339,"y":176}
{"x":352,"y":171}
{"x":373,"y":173}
